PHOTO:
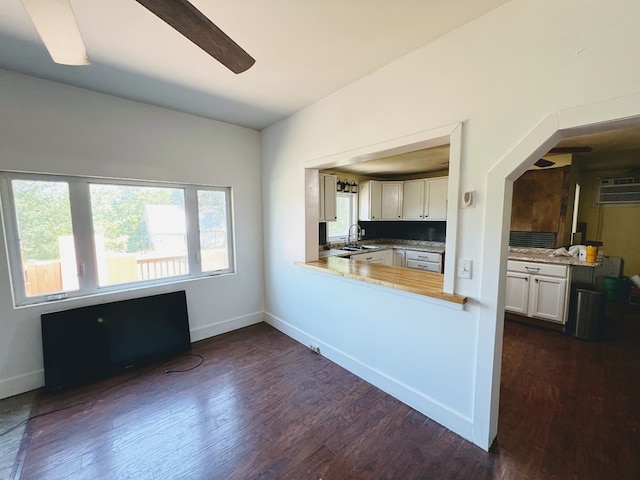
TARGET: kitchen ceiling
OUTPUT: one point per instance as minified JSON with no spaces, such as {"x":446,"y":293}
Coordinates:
{"x":304,"y":50}
{"x":436,"y":159}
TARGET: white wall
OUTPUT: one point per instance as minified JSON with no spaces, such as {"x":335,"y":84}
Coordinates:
{"x":52,"y":128}
{"x":501,"y":75}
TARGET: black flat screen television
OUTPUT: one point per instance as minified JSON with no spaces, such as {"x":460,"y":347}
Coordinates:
{"x":88,"y":343}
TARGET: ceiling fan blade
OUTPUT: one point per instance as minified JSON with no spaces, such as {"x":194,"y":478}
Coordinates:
{"x":190,"y":22}
{"x":56,"y":25}
{"x":571,"y":150}
{"x":543,"y":163}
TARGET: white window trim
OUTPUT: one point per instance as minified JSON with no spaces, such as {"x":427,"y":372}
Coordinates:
{"x":82,"y":224}
{"x":354,"y":216}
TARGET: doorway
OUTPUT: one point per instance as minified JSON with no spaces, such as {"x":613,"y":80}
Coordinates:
{"x":617,"y":113}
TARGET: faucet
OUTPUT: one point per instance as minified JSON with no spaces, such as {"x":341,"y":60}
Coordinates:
{"x":358,"y":235}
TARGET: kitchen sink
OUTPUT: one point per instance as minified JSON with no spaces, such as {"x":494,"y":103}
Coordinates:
{"x":359,"y":248}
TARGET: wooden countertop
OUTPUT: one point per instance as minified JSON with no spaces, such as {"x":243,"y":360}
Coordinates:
{"x":407,"y":279}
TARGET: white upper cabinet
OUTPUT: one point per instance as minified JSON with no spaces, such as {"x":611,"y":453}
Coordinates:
{"x":436,"y":204}
{"x":370,"y":200}
{"x":328,"y":184}
{"x":391,"y":200}
{"x":413,"y":200}
{"x":425,"y":199}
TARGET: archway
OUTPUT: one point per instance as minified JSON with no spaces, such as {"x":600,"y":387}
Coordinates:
{"x":612,"y":114}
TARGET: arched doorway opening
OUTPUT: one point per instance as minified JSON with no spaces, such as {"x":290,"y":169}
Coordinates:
{"x":614,"y":114}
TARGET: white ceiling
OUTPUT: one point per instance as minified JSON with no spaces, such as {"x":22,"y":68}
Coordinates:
{"x":304,"y":50}
{"x":436,"y":159}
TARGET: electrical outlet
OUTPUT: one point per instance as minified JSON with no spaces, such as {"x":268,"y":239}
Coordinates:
{"x":464,"y":268}
{"x":315,"y":348}
{"x":363,"y":232}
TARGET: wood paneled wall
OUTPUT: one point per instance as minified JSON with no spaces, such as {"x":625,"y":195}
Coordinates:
{"x":540,"y":199}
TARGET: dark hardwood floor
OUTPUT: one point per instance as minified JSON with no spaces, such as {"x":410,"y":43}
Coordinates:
{"x":570,"y":409}
{"x":264,"y":406}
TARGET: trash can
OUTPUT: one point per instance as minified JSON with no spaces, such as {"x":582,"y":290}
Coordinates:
{"x":617,"y":288}
{"x":588,"y":313}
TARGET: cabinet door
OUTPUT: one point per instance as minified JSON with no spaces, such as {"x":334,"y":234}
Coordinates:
{"x":517,"y":293}
{"x":399,"y":258}
{"x":364,"y":201}
{"x":375,"y":200}
{"x":436,"y":199}
{"x":391,"y":200}
{"x":369,"y":201}
{"x":330,"y":212}
{"x":548,"y":298}
{"x":413,"y":200}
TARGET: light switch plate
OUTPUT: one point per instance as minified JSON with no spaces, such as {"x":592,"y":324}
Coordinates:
{"x":464,"y":268}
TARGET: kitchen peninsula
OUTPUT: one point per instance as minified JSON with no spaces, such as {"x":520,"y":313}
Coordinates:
{"x":337,"y":261}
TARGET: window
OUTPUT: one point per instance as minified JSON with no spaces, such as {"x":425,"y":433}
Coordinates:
{"x":214,"y":233}
{"x":71,"y":236}
{"x":346,"y":204}
{"x":45,"y":234}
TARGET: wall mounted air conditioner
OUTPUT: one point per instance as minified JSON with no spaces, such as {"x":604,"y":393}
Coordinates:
{"x":619,"y":190}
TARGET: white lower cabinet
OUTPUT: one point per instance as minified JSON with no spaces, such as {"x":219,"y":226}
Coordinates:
{"x":517,"y":296}
{"x":383,"y":257}
{"x":429,"y":261}
{"x":537,"y":290}
{"x":399,"y":259}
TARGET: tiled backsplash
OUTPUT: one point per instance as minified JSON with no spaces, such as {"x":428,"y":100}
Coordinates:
{"x":322,"y":240}
{"x":426,"y":231}
{"x":422,"y":231}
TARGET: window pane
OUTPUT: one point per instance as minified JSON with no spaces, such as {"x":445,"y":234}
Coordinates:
{"x":140,"y":233}
{"x":340,"y":227}
{"x":46,"y":237}
{"x":212,"y":215}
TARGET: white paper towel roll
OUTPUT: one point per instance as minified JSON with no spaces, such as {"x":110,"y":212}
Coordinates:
{"x":636,"y":280}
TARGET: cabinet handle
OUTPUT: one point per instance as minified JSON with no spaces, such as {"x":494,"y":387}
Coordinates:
{"x":526,"y":279}
{"x":368,"y":258}
{"x":536,"y":280}
{"x":532,"y":269}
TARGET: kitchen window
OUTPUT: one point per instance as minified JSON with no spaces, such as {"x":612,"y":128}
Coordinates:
{"x":346,"y":210}
{"x":76,"y":236}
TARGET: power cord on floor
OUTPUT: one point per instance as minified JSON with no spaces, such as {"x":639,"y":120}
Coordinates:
{"x":190,"y":368}
{"x":101,"y":392}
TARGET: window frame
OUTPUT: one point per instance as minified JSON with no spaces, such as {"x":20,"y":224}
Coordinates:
{"x":353,"y":206}
{"x":83,"y":235}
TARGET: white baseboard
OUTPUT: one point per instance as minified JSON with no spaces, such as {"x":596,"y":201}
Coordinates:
{"x":449,"y":418}
{"x":32,"y":380}
{"x":21,"y":383}
{"x":226,"y":326}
